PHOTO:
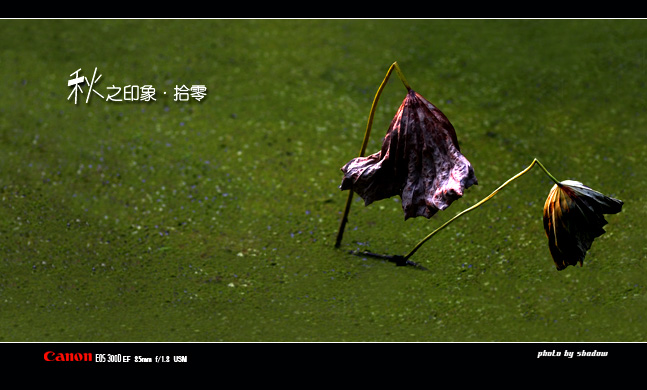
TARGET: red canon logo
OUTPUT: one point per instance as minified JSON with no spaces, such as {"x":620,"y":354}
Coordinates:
{"x":51,"y":356}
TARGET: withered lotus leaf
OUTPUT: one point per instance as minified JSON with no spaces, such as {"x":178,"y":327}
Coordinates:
{"x":573,"y":218}
{"x":420,"y":161}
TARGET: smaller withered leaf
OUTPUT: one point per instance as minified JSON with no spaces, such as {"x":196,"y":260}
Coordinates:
{"x":573,"y":218}
{"x":420,"y":161}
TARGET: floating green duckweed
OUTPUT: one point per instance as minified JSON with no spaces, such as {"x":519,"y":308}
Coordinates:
{"x":215,"y":220}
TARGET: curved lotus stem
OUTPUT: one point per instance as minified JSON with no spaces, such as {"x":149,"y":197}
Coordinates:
{"x":535,"y":161}
{"x":367,"y":134}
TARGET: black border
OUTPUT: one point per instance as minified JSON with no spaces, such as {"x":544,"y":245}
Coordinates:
{"x":243,"y":358}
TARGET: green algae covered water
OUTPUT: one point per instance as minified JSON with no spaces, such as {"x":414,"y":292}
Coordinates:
{"x":213,"y":217}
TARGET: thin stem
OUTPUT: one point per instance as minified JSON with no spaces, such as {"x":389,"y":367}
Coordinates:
{"x":401,"y":76}
{"x":367,"y":134}
{"x":535,"y":161}
{"x":546,"y":171}
{"x":371,"y":114}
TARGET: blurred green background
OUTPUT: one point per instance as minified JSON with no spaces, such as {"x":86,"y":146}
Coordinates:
{"x":215,"y":220}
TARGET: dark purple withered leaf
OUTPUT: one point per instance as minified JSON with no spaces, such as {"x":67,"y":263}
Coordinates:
{"x":420,"y":161}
